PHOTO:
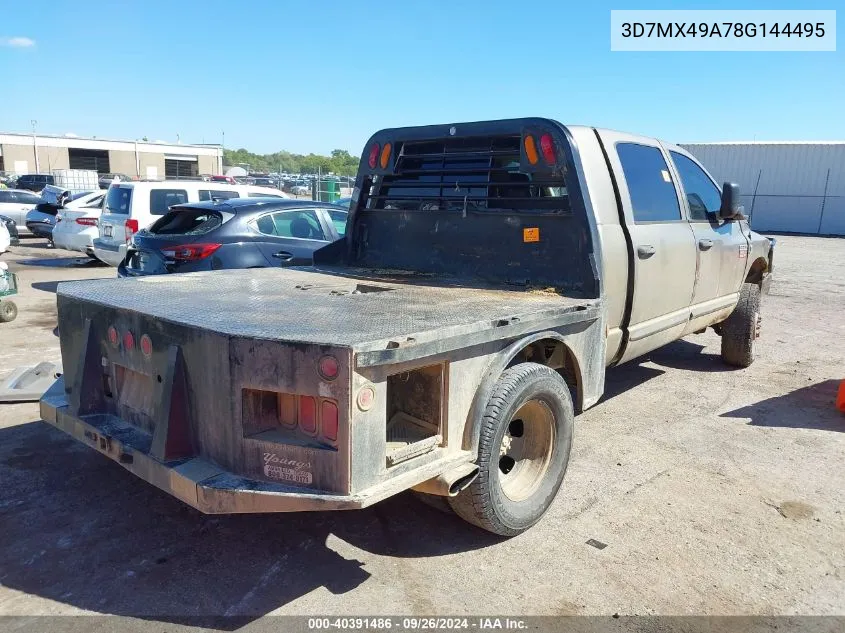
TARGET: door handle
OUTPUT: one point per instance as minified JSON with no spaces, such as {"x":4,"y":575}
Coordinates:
{"x":283,"y":255}
{"x":644,"y":251}
{"x":705,"y":244}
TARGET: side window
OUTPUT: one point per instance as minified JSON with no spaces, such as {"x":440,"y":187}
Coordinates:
{"x":6,"y":196}
{"x":703,"y":196}
{"x":28,"y":198}
{"x":216,"y":194}
{"x":299,"y":224}
{"x":339,"y":220}
{"x":649,"y":183}
{"x":162,"y":199}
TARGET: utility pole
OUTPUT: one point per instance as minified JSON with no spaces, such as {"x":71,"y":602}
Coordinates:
{"x":35,"y":146}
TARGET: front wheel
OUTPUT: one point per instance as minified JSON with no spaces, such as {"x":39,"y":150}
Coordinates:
{"x":523,"y":451}
{"x":742,"y":328}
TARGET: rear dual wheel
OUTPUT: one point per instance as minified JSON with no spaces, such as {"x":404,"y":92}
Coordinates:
{"x":526,"y":436}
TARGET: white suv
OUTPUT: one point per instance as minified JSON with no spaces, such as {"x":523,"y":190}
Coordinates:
{"x":132,"y":206}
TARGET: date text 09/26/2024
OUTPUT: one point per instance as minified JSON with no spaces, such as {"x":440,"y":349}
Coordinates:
{"x":416,"y":623}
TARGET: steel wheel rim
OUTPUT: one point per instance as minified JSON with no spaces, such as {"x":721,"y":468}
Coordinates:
{"x":526,"y":450}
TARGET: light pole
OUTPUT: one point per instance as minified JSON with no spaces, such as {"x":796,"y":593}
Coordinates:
{"x":35,"y":146}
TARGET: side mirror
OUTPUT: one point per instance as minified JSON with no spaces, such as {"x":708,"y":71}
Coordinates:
{"x":730,"y":201}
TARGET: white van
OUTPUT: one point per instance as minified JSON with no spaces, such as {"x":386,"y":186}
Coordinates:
{"x":132,"y":206}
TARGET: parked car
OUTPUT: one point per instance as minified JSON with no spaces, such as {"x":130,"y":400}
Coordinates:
{"x":229,"y":180}
{"x":300,"y":190}
{"x":261,"y":181}
{"x":131,"y":206}
{"x":76,"y":223}
{"x":41,"y":220}
{"x":235,"y":233}
{"x":106,"y":180}
{"x":11,"y":229}
{"x":16,"y":203}
{"x":34,"y":182}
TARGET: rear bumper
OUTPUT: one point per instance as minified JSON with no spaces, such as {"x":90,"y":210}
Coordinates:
{"x":111,"y":254}
{"x":39,"y":229}
{"x":82,"y":242}
{"x":204,"y":485}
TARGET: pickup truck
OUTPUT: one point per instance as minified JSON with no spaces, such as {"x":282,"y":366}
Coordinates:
{"x":490,"y":272}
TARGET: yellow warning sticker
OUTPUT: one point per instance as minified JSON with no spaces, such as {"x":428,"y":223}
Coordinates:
{"x":531,"y":234}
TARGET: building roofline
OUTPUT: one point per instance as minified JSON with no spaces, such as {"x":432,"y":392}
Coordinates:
{"x":70,"y":139}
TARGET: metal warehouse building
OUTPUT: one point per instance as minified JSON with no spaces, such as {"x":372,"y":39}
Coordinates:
{"x":30,"y":154}
{"x":790,"y":187}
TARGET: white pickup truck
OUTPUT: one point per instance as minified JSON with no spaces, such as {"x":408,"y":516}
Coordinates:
{"x":491,"y":271}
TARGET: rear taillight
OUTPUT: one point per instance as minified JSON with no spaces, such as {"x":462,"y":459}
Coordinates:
{"x":328,"y":417}
{"x":131,"y":228}
{"x":308,"y":414}
{"x":189,"y":252}
{"x":128,"y":341}
{"x":87,"y":221}
{"x":114,"y":338}
{"x":374,"y":148}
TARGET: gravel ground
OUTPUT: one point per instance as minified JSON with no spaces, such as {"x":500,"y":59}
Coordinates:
{"x":716,"y":491}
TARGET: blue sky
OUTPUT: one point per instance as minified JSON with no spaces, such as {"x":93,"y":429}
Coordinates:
{"x":314,"y":76}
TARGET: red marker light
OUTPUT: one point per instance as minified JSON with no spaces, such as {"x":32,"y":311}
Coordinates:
{"x":328,"y":367}
{"x":308,"y":414}
{"x":374,"y":148}
{"x":329,"y":417}
{"x":114,"y":339}
{"x":146,"y":345}
{"x":547,"y":146}
{"x":366,"y":398}
{"x":128,"y":342}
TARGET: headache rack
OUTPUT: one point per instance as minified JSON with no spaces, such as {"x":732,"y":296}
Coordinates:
{"x":482,"y":173}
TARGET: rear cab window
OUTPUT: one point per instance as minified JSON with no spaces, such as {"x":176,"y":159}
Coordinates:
{"x":650,"y":185}
{"x":472,"y":174}
{"x":118,"y":200}
{"x":162,"y":199}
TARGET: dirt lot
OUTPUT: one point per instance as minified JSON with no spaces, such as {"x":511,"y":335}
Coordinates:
{"x":716,"y":491}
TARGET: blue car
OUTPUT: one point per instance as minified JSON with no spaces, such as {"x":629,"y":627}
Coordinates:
{"x":233,"y":233}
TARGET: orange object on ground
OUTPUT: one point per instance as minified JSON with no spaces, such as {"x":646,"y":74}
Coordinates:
{"x":840,"y":397}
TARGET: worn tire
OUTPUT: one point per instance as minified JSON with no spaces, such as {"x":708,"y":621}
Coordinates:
{"x":8,"y":311}
{"x":484,"y":503}
{"x":739,"y":330}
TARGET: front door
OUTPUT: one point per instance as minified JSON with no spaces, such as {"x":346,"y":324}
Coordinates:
{"x":722,"y":245}
{"x":664,"y":257}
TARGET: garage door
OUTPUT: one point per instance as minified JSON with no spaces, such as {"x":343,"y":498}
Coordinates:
{"x":180,"y":167}
{"x":95,"y":159}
